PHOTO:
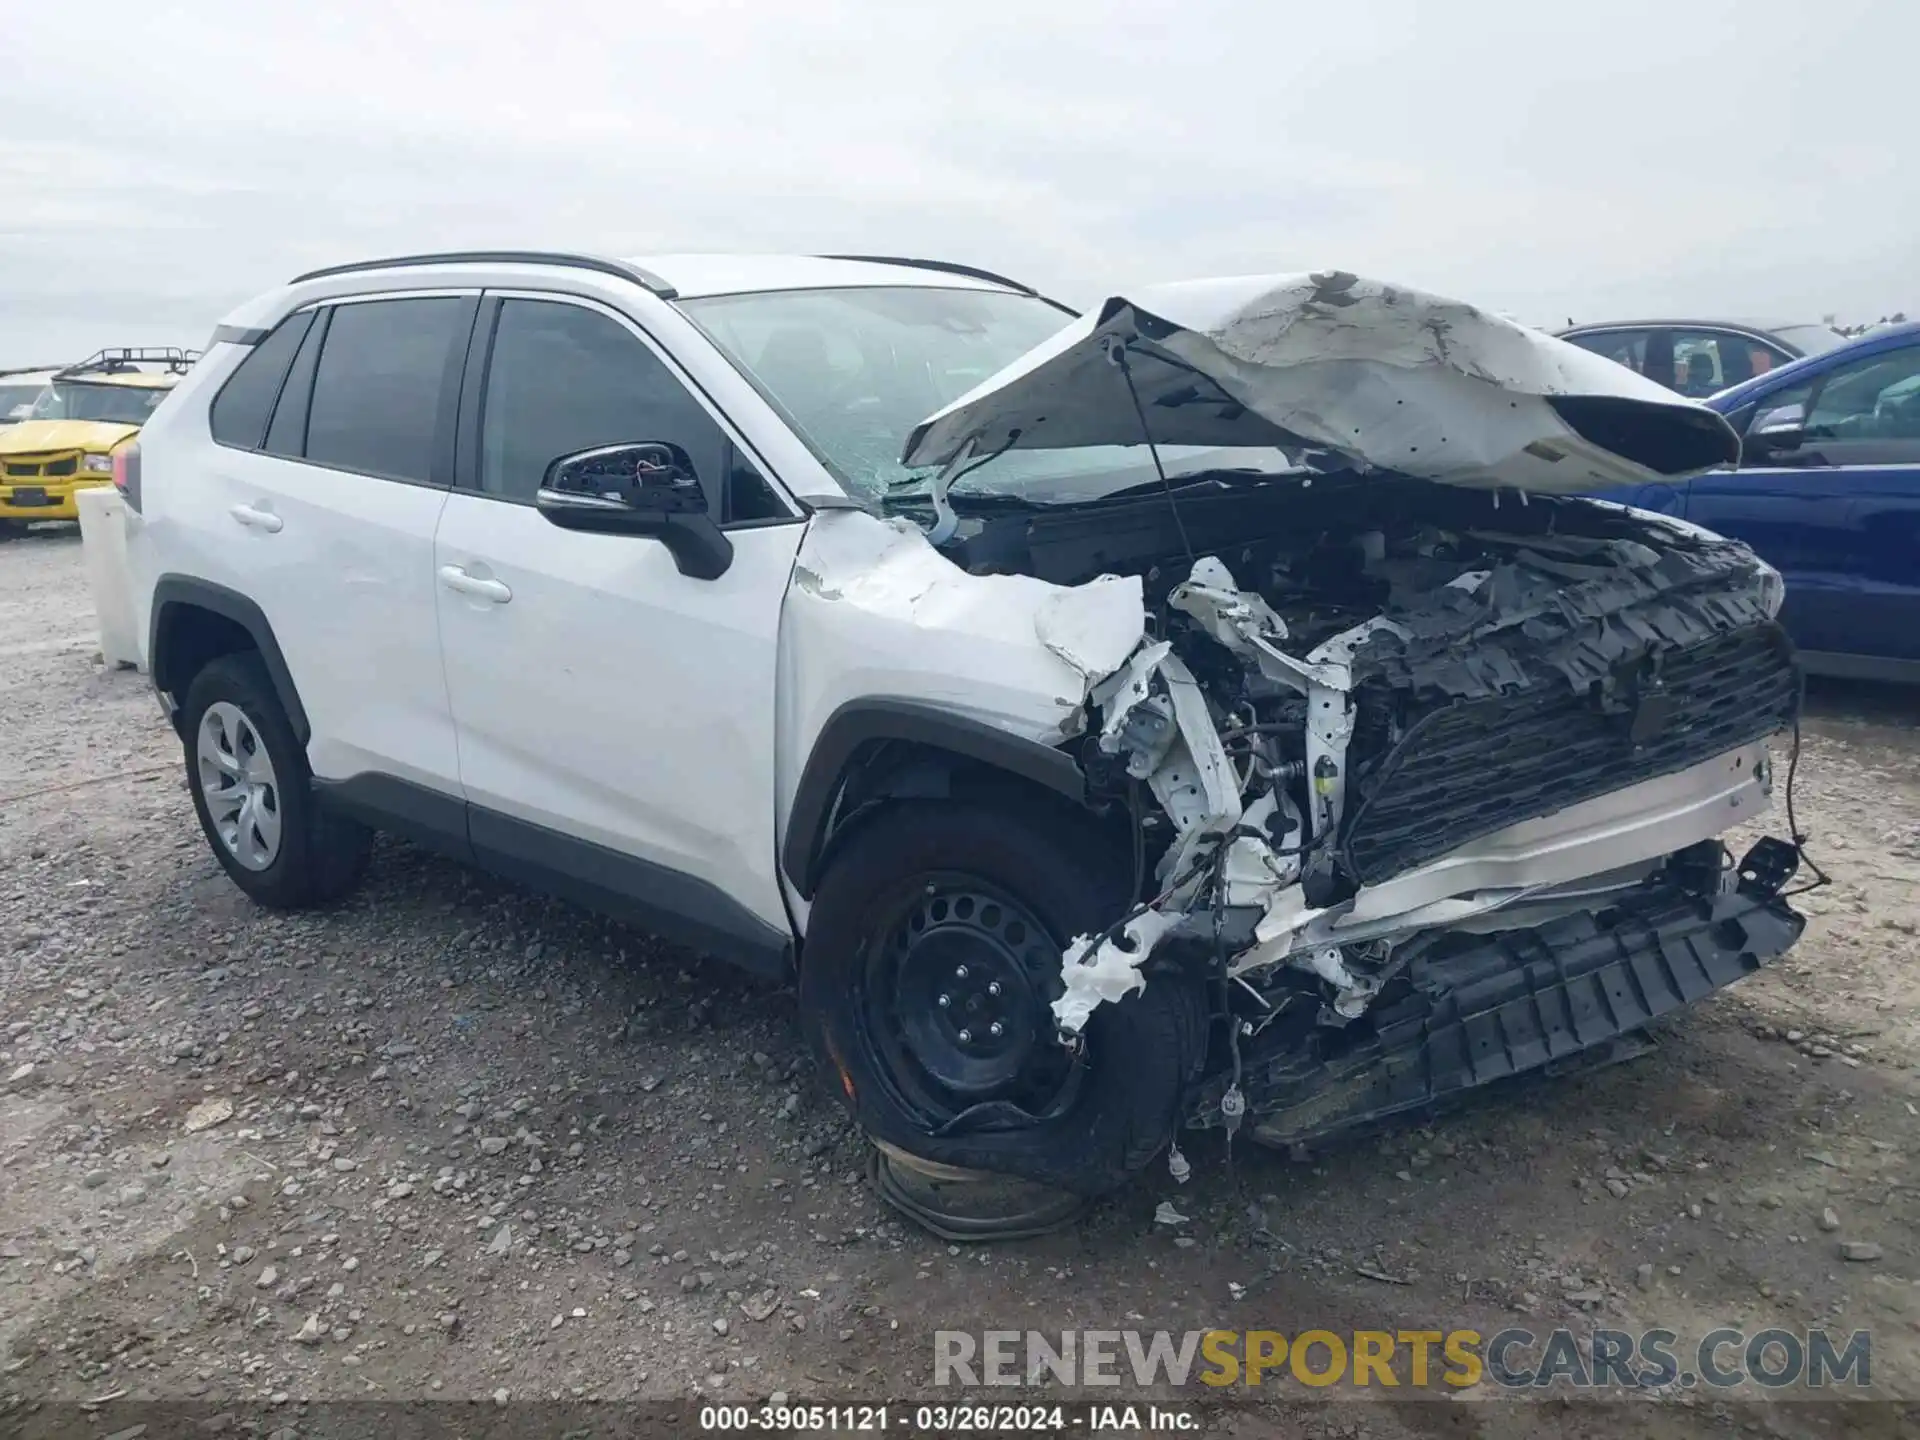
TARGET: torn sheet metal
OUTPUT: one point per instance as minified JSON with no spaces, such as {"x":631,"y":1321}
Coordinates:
{"x":1382,"y":376}
{"x":1245,"y":624}
{"x":1154,"y":712}
{"x":901,"y":618}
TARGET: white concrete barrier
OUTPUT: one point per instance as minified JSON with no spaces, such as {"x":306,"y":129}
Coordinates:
{"x":103,"y":541}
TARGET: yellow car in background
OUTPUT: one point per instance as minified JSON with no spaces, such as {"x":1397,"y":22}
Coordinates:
{"x":84,"y":413}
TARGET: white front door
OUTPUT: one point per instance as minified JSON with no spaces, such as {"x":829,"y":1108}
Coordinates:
{"x":598,"y":693}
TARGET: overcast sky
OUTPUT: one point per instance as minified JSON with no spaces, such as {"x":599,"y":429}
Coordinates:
{"x":160,"y":162}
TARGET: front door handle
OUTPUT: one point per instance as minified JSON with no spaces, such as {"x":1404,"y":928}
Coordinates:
{"x":257,"y":519}
{"x":454,"y":578}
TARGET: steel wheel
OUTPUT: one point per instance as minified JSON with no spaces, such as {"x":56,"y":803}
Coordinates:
{"x":957,"y":1000}
{"x":237,"y":781}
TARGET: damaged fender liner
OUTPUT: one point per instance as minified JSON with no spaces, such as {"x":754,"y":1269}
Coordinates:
{"x":1508,"y":1003}
{"x":860,"y":722}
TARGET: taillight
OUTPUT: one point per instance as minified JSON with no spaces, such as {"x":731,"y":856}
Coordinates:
{"x":126,"y":473}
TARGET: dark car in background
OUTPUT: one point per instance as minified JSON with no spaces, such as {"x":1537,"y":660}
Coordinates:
{"x":1700,"y":357}
{"x":1828,"y":492}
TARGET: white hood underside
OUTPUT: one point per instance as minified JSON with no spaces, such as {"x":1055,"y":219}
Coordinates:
{"x":1382,"y":376}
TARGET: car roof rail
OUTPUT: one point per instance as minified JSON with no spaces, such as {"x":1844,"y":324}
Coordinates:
{"x":122,"y":358}
{"x":625,"y":270}
{"x":30,"y":370}
{"x":949,"y":267}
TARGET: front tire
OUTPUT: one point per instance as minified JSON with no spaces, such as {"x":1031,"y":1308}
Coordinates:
{"x":932,"y":958}
{"x":253,"y":792}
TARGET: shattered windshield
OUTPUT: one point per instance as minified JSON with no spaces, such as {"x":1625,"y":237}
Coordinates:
{"x":853,"y":371}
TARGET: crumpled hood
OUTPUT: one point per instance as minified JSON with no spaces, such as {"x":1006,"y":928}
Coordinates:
{"x":30,"y":437}
{"x":1381,"y":376}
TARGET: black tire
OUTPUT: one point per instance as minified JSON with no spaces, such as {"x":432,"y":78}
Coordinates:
{"x":874,"y":932}
{"x":12,"y":529}
{"x":320,"y":856}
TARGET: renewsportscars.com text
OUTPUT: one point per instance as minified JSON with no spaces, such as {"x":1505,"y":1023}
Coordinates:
{"x":1414,"y":1359}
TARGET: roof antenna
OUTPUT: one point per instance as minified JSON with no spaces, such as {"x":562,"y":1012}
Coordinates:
{"x":1117,"y":355}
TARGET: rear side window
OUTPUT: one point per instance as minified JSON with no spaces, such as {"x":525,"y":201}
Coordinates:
{"x":245,"y":403}
{"x":1706,"y":361}
{"x":287,"y":434}
{"x":377,"y":387}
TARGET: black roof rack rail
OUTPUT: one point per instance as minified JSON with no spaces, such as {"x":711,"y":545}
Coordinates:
{"x":642,"y":277}
{"x":122,"y":358}
{"x":30,"y":370}
{"x":951,"y":268}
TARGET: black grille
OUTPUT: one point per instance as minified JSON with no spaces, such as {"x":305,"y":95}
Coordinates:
{"x":1477,"y":766}
{"x":65,"y":465}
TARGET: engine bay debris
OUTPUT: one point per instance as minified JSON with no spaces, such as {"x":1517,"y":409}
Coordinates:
{"x":1433,"y":715}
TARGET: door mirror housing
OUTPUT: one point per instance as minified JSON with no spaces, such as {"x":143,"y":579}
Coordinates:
{"x":1781,"y":428}
{"x":639,"y":488}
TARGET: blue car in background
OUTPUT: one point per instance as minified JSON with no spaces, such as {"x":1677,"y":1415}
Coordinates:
{"x":1828,"y":493}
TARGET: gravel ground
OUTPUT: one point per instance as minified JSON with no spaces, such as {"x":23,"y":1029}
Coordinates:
{"x":453,"y":1140}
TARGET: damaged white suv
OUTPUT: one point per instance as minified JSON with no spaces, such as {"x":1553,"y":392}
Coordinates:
{"x":1219,"y":711}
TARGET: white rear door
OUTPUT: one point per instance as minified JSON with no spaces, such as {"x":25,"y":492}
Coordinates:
{"x":326,"y":522}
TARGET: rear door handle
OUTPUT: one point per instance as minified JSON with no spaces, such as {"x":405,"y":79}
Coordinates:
{"x":454,"y":578}
{"x":257,"y":519}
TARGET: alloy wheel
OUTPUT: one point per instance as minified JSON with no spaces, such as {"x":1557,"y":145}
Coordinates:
{"x":238,"y":784}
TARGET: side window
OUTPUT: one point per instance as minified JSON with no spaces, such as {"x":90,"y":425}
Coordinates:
{"x":287,"y":435}
{"x":245,"y":403}
{"x":1623,"y":347}
{"x":377,"y":387}
{"x":1707,"y":361}
{"x":563,"y":378}
{"x":1873,"y":399}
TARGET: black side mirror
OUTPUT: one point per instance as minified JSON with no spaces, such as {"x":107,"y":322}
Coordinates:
{"x":1782,"y":428}
{"x":642,"y":488}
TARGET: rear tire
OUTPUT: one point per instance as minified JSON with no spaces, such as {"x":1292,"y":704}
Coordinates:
{"x":253,"y":792}
{"x":923,"y":912}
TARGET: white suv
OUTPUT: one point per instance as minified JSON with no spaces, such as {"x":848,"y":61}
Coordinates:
{"x":1215,"y":710}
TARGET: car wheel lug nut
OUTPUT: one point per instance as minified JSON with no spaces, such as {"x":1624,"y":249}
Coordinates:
{"x":966,"y":1037}
{"x":945,"y":1001}
{"x":960,"y":972}
{"x":996,"y":1029}
{"x":994,"y":988}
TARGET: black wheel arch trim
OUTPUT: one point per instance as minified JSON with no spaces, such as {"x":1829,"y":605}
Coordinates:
{"x":858,"y":723}
{"x":172,"y":592}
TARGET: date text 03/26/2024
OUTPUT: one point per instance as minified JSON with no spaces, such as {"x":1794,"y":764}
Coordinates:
{"x":943,"y":1419}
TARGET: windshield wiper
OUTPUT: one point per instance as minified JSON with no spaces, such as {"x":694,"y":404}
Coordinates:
{"x":1224,"y":479}
{"x":974,"y":500}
